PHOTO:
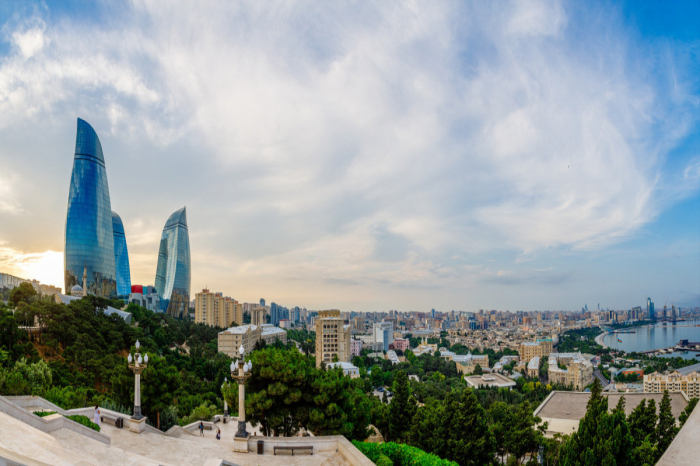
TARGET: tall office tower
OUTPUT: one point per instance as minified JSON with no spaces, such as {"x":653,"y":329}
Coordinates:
{"x":89,"y":237}
{"x":121,"y":257}
{"x":173,"y":274}
{"x":651,"y":313}
{"x":432,"y":313}
{"x":262,"y":302}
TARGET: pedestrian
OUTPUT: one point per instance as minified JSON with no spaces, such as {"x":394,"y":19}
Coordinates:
{"x":97,"y":416}
{"x":201,"y":429}
{"x":218,"y":434}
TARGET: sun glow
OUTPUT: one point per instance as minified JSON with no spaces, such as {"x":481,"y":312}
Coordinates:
{"x":47,"y":266}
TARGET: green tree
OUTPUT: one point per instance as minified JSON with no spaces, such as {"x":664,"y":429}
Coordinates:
{"x":478,"y":370}
{"x":158,"y":383}
{"x":666,"y":428}
{"x":603,"y":438}
{"x":401,"y":409}
{"x":377,"y":376}
{"x":25,"y":293}
{"x":642,"y":422}
{"x":686,"y":412}
{"x":280,"y":394}
{"x":524,"y":435}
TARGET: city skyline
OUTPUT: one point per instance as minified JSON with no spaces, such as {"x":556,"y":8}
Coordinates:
{"x":471,"y":157}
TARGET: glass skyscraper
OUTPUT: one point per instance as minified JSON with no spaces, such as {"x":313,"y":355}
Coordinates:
{"x":121,"y":257}
{"x":173,"y":274}
{"x":89,"y":238}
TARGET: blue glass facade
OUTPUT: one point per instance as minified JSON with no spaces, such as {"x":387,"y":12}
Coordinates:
{"x":173,"y":274}
{"x":121,"y":257}
{"x":89,"y":237}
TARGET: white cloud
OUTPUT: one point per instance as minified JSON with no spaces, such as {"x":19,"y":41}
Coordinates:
{"x":367,"y":143}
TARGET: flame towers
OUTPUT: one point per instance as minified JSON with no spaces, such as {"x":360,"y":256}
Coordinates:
{"x":121,"y":257}
{"x":89,"y":237}
{"x":173,"y":274}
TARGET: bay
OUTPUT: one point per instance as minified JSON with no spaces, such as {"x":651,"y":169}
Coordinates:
{"x":656,"y":337}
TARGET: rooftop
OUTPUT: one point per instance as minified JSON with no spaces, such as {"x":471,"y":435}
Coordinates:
{"x":490,"y":380}
{"x":688,"y":369}
{"x":572,"y":405}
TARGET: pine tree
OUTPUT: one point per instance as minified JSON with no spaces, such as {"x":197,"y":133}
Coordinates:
{"x":640,"y":423}
{"x":666,"y":429}
{"x":583,"y":448}
{"x":401,"y":409}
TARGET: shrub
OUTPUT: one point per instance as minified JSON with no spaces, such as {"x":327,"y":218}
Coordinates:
{"x":44,"y":413}
{"x":384,"y":460}
{"x":399,"y":455}
{"x":84,"y":420}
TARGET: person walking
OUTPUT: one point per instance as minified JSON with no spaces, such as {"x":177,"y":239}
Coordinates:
{"x":218,"y":434}
{"x":201,"y":429}
{"x":97,"y":416}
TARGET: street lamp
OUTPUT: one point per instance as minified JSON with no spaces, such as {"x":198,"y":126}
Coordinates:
{"x":225,"y":403}
{"x":137,"y":364}
{"x":241,"y":376}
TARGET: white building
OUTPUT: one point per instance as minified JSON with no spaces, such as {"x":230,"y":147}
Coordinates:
{"x":348,"y":369}
{"x":392,"y":356}
{"x":490,"y":380}
{"x":383,"y":332}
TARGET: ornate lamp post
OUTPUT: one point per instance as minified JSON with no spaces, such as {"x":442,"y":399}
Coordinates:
{"x":137,"y":423}
{"x":240,"y":440}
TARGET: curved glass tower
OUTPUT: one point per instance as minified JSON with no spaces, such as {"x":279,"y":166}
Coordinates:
{"x":173,"y":272}
{"x":121,"y":257}
{"x":89,"y":240}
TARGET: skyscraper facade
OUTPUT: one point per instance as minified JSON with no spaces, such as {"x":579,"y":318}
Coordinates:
{"x":121,"y":257}
{"x":89,"y":237}
{"x":173,"y":275}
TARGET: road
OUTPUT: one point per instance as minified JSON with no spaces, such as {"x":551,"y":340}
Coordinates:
{"x":600,"y":377}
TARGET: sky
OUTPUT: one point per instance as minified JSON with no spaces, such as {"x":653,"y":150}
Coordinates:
{"x":368,"y":156}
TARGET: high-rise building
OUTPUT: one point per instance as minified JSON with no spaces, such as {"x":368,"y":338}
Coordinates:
{"x":432,"y":313}
{"x":651,"y":313}
{"x":215,"y":309}
{"x":89,"y":237}
{"x":173,"y":275}
{"x":258,"y":316}
{"x":332,"y":338}
{"x":121,"y":257}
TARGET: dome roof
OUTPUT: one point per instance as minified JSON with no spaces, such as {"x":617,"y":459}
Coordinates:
{"x":77,"y":288}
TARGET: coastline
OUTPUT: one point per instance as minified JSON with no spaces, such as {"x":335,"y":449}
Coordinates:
{"x":599,"y":340}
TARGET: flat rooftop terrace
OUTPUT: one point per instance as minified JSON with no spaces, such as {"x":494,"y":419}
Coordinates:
{"x":572,"y":405}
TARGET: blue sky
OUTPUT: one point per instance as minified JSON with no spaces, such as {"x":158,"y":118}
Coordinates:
{"x":373,"y":156}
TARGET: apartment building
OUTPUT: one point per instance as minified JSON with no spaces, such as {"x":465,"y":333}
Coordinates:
{"x":258,"y":316}
{"x":540,"y":348}
{"x":578,"y":372}
{"x":674,"y":382}
{"x":230,"y":340}
{"x":215,"y":309}
{"x":332,"y":338}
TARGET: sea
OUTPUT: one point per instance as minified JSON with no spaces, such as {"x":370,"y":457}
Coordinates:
{"x":656,"y":337}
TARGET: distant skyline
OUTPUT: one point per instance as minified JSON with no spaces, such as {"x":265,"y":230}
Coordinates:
{"x":367,"y":157}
